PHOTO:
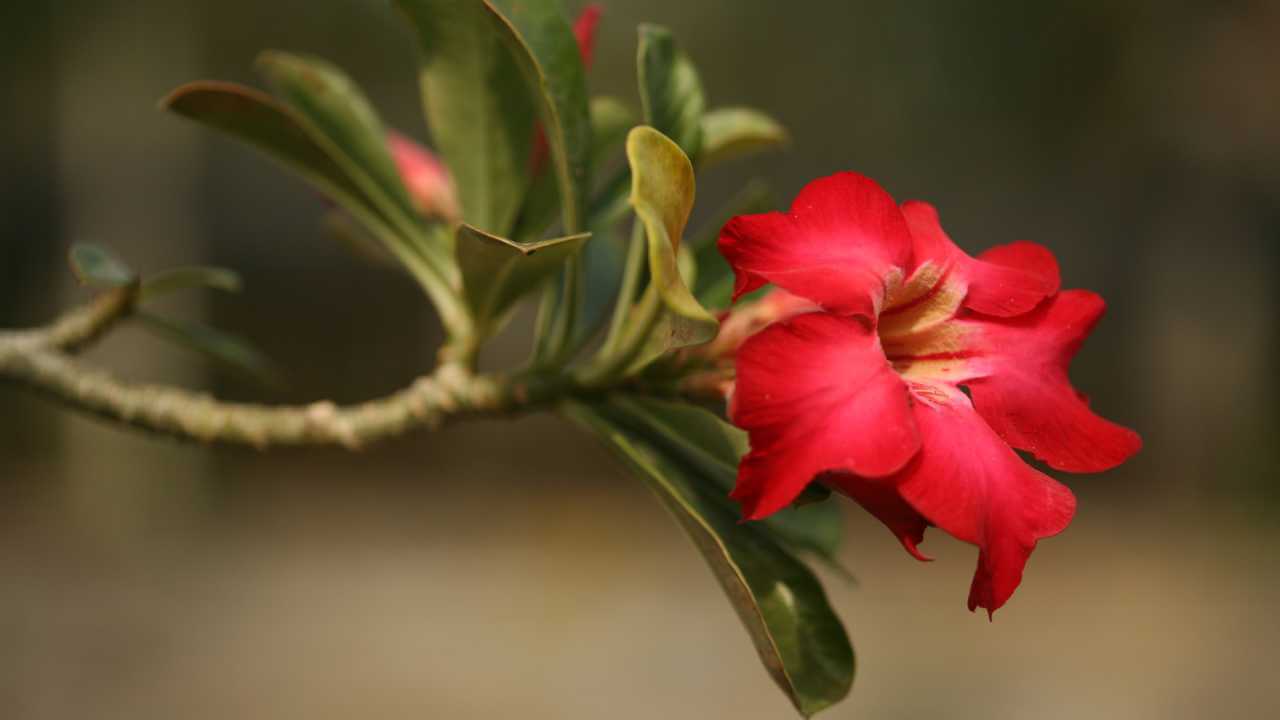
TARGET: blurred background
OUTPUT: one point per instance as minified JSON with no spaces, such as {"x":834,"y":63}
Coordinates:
{"x":501,"y":570}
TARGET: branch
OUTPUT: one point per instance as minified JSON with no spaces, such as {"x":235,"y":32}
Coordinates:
{"x":42,"y":359}
{"x":77,"y":328}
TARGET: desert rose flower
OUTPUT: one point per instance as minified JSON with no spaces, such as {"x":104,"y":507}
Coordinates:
{"x":915,"y":378}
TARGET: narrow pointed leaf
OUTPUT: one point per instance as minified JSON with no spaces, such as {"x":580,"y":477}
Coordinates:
{"x":735,"y":131}
{"x":672,"y":101}
{"x":670,"y":89}
{"x":715,"y":447}
{"x":610,"y":121}
{"x":342,"y":121}
{"x":98,"y":267}
{"x":496,"y":272}
{"x":190,"y":277}
{"x":226,"y":349}
{"x":339,"y":119}
{"x":258,"y":119}
{"x":662,"y":190}
{"x":541,"y":40}
{"x":299,"y":145}
{"x":477,"y":106}
{"x":798,"y":637}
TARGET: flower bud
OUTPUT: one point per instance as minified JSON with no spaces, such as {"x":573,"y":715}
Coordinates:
{"x":425,"y":177}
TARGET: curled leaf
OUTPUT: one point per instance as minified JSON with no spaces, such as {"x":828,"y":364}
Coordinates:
{"x":496,"y":272}
{"x":662,"y":191}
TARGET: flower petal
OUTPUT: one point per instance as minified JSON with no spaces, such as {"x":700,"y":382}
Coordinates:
{"x":1025,"y":394}
{"x":843,"y":243}
{"x":747,"y":319}
{"x":968,"y":482}
{"x":1004,"y":281}
{"x":816,"y":394}
{"x":881,"y":499}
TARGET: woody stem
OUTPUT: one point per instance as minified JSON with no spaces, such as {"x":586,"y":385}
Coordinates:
{"x":42,"y":359}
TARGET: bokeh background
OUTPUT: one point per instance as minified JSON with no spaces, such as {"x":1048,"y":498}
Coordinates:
{"x":503,"y":570}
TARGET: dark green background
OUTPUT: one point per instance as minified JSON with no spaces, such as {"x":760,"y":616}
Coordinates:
{"x":511,"y":570}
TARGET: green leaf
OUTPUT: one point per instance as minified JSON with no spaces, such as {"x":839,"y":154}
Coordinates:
{"x":610,"y":121}
{"x":662,"y":191}
{"x":735,"y":131}
{"x":673,"y":102}
{"x":229,"y":350}
{"x":715,"y":447}
{"x":541,"y":40}
{"x":496,"y":272}
{"x":343,"y":122}
{"x":256,"y":118}
{"x":670,"y":89}
{"x":189,"y":277}
{"x":97,"y":266}
{"x":477,"y":106}
{"x":782,"y":605}
{"x":302,"y":146}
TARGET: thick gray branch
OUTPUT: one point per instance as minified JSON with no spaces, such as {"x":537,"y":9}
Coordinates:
{"x":428,"y":402}
{"x":41,"y":359}
{"x":77,"y":328}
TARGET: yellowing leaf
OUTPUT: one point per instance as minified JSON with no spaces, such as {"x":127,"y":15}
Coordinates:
{"x":662,"y":192}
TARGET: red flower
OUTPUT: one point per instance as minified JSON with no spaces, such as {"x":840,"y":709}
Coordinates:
{"x":868,"y":393}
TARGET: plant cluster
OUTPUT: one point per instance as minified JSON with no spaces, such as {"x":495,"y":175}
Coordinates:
{"x":864,"y":352}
